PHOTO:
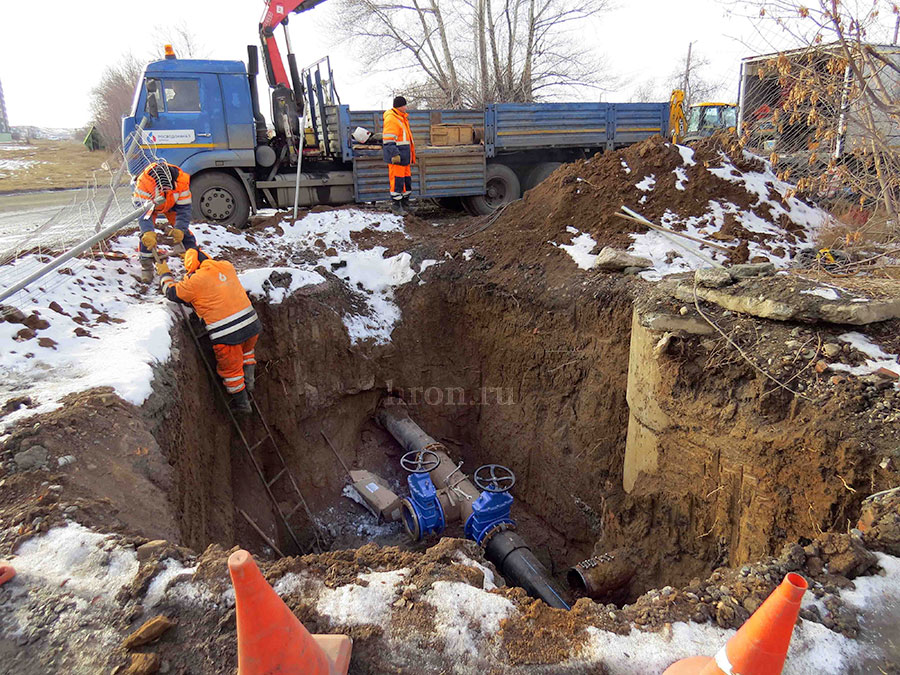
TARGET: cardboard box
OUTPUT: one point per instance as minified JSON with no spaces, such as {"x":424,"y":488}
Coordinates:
{"x":379,"y":498}
{"x":452,"y":134}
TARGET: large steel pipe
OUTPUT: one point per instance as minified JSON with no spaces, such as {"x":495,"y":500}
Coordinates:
{"x":455,"y":491}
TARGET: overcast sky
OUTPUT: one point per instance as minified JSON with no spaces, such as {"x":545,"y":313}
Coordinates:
{"x":49,"y":64}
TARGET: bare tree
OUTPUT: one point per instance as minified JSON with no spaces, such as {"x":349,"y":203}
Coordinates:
{"x":183,"y":41}
{"x":479,"y":51}
{"x":691,"y":76}
{"x":838,"y":97}
{"x":112,"y":97}
{"x":646,"y":92}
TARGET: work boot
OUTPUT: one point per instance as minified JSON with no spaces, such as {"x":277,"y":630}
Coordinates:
{"x":250,"y":376}
{"x":404,"y":203}
{"x":146,"y":270}
{"x":240,"y":404}
{"x":397,"y":207}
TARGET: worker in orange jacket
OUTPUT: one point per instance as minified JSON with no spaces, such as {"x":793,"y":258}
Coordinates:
{"x":174,"y":186}
{"x":399,"y":152}
{"x":212,"y":288}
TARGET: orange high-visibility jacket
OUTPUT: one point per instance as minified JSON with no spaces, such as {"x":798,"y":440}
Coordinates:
{"x":216,"y":294}
{"x":396,"y":137}
{"x":145,"y":188}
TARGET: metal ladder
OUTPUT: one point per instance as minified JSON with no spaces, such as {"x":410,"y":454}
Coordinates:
{"x":319,"y":545}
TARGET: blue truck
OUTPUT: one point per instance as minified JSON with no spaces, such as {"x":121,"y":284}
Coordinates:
{"x":204,"y":115}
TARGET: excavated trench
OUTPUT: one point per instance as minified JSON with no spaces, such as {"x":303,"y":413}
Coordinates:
{"x":542,"y":385}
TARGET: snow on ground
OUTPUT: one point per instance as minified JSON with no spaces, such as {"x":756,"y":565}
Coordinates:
{"x":687,"y":155}
{"x":580,"y":248}
{"x":877,"y":357}
{"x":107,"y":329}
{"x":827,"y":293}
{"x":259,"y":284}
{"x":468,"y":253}
{"x":646,"y":185}
{"x":466,"y":618}
{"x":669,"y":258}
{"x":17,"y":164}
{"x":81,"y":560}
{"x":625,"y":166}
{"x":366,"y":603}
{"x":123,"y":334}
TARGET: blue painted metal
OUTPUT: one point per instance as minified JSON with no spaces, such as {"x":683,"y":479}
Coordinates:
{"x":488,"y":511}
{"x":195,"y":66}
{"x":527,"y":126}
{"x":439,"y":172}
{"x":425,"y":503}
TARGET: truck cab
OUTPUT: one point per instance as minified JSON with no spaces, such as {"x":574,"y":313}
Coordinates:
{"x":198,"y":114}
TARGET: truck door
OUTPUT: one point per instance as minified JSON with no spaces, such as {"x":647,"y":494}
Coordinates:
{"x":190,"y":119}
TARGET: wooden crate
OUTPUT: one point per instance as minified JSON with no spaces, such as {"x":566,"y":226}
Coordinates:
{"x":452,"y":134}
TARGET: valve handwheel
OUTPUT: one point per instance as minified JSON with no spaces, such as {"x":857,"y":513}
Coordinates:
{"x":494,"y":478}
{"x":420,"y":461}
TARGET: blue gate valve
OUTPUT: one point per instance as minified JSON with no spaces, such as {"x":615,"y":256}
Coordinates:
{"x":492,"y":508}
{"x":422,"y":512}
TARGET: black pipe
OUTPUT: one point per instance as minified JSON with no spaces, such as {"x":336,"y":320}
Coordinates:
{"x":252,"y":72}
{"x":514,"y":560}
{"x":298,"y":84}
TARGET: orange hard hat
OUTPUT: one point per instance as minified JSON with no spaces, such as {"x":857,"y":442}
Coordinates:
{"x":192,"y":259}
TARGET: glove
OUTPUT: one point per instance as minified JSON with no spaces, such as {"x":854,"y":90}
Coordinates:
{"x":148,"y":239}
{"x":395,"y":159}
{"x":176,"y":234}
{"x":163,"y":269}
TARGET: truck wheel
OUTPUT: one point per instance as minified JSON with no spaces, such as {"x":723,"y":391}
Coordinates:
{"x":502,"y":187}
{"x":539,"y":174}
{"x":219,"y":198}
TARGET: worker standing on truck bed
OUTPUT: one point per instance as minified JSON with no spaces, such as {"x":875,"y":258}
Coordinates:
{"x":174,"y":185}
{"x":399,"y":151}
{"x":213,"y":289}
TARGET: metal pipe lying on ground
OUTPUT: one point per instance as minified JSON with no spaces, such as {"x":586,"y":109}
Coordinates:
{"x":76,"y":250}
{"x":601,"y":575}
{"x":510,"y":553}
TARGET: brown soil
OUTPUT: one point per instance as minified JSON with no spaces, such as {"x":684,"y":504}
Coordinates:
{"x":62,"y":164}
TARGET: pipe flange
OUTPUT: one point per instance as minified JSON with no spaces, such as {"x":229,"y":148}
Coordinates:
{"x":497,"y":529}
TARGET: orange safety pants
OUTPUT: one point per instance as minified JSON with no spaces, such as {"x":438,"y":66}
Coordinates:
{"x":400,"y":178}
{"x":230,"y":362}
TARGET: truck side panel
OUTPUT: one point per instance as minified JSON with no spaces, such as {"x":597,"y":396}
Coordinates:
{"x":239,"y":121}
{"x":533,"y":126}
{"x":439,"y":172}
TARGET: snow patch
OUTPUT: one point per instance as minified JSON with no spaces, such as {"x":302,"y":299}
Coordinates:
{"x":580,"y":248}
{"x":687,"y":155}
{"x":878,"y":358}
{"x":827,"y":293}
{"x":466,"y":617}
{"x":258,"y":283}
{"x":647,"y":184}
{"x":163,"y":586}
{"x":625,"y":166}
{"x":490,"y":580}
{"x":83,"y":561}
{"x":353,"y":604}
{"x":681,"y":178}
{"x":468,"y":253}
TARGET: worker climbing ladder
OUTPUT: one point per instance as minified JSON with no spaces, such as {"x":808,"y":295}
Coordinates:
{"x":283,"y":473}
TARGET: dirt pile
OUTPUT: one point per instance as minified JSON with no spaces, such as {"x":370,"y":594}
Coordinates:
{"x":709,"y":190}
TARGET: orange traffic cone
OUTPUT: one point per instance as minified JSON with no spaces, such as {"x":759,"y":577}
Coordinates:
{"x":760,"y":645}
{"x":6,"y":572}
{"x":271,"y":640}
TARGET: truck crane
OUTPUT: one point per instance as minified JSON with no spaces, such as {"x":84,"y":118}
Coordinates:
{"x":204,"y":116}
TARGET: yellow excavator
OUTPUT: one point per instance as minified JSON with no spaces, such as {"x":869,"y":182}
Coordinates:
{"x":703,"y":119}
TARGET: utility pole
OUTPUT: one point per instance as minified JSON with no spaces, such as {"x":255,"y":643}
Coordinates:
{"x":687,"y":75}
{"x":896,"y":28}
